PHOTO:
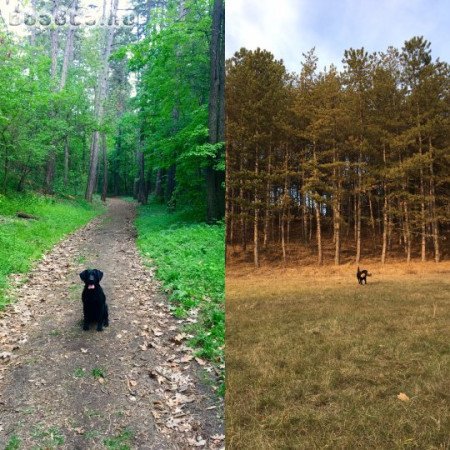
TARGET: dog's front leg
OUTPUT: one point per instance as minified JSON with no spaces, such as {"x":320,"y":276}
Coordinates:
{"x":85,"y":317}
{"x":106,"y":317}
{"x":100,"y":319}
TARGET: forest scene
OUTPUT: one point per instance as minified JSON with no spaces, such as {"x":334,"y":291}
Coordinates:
{"x":329,"y":173}
{"x":112,"y":158}
{"x":339,"y":165}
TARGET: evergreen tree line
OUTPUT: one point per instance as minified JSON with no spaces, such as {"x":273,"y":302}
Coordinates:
{"x":349,"y":164}
{"x":118,"y":110}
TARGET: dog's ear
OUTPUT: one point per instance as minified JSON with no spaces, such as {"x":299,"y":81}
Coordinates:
{"x":99,"y":274}
{"x":83,"y":275}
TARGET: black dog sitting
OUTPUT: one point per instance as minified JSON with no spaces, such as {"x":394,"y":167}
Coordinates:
{"x":362,"y":275}
{"x":95,"y":308}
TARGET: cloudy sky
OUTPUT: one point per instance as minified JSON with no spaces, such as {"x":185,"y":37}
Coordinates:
{"x":289,"y":28}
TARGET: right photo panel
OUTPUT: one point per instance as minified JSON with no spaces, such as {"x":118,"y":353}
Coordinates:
{"x":337,"y":224}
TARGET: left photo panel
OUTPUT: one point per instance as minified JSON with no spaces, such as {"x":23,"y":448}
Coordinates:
{"x":112,"y":204}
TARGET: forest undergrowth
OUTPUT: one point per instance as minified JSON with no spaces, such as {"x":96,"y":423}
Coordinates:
{"x":189,"y":256}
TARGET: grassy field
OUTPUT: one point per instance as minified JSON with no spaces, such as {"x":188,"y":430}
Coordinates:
{"x":316,"y":361}
{"x":23,"y":241}
{"x":189,"y":257}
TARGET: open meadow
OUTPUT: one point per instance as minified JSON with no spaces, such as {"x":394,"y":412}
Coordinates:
{"x":315,"y":360}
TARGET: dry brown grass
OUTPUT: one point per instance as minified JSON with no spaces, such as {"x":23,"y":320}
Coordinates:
{"x":316,"y":361}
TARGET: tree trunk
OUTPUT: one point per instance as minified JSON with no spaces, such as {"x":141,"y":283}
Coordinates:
{"x":268,"y":189}
{"x":358,"y":209}
{"x":256,"y":218}
{"x":105,"y":168}
{"x":215,"y":195}
{"x":170,"y":185}
{"x":423,"y":246}
{"x":318,"y":233}
{"x":158,"y":184}
{"x":100,"y":95}
{"x":68,"y":52}
{"x":407,"y":232}
{"x":385,"y":228}
{"x":434,"y":219}
{"x":66,"y":162}
{"x":337,"y":212}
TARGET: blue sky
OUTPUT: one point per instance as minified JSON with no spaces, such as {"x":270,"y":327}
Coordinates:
{"x":289,"y":28}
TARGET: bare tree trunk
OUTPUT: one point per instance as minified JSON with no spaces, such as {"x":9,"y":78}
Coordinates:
{"x":158,"y":184}
{"x":285,"y":203}
{"x":54,"y":42}
{"x":100,"y":94}
{"x":51,"y":158}
{"x":142,"y":191}
{"x":268,"y":189}
{"x":434,"y":219}
{"x":318,"y":233}
{"x":170,"y":185}
{"x":385,"y":228}
{"x":242,"y":210}
{"x":423,"y":246}
{"x":215,"y":194}
{"x":68,"y":52}
{"x":337,"y":212}
{"x":385,"y":213}
{"x":358,"y":210}
{"x":105,"y":168}
{"x":229,"y":200}
{"x":407,"y":232}
{"x":256,"y":218}
{"x":305,"y":210}
{"x":66,"y":162}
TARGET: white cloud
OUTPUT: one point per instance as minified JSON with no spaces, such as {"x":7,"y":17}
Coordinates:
{"x":289,"y":28}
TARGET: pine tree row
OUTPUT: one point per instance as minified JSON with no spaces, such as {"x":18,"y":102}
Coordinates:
{"x":348,"y":164}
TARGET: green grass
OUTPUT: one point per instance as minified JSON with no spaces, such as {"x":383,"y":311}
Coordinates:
{"x":98,"y":373}
{"x":189,"y":259}
{"x":13,"y":443}
{"x":24,"y":241}
{"x":119,"y":442}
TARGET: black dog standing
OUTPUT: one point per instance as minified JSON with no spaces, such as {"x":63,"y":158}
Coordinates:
{"x":95,"y":308}
{"x":362,"y":275}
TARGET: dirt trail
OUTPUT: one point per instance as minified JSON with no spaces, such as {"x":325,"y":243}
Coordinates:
{"x":134,"y":384}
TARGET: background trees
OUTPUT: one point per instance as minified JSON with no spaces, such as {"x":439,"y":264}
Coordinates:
{"x":344,"y":165}
{"x":124,"y":110}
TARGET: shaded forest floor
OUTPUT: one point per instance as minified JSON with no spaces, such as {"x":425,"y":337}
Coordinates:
{"x":135,"y":385}
{"x":297,"y":253}
{"x":315,"y":360}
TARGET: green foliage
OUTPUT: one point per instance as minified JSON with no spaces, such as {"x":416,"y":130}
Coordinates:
{"x":189,"y":259}
{"x":98,"y":373}
{"x":173,"y":64}
{"x":13,"y":443}
{"x":36,"y":117}
{"x":24,"y":241}
{"x":121,"y":441}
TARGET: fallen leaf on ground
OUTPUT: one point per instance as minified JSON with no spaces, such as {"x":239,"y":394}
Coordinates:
{"x":218,"y":437}
{"x":403,"y":397}
{"x":200,"y":361}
